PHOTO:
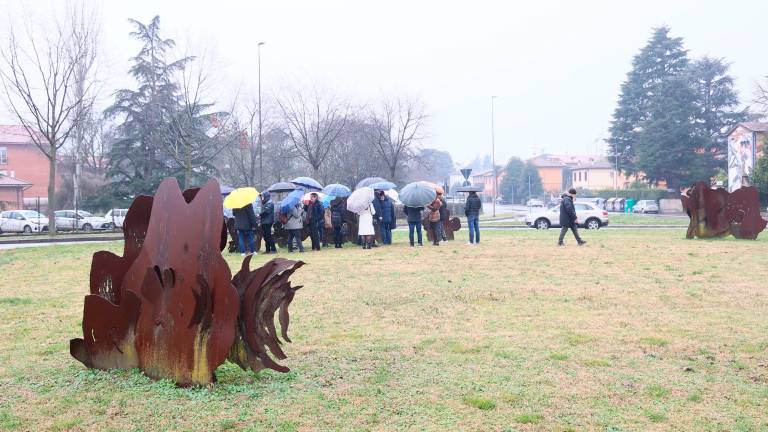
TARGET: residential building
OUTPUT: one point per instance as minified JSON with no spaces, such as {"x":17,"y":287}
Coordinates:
{"x":746,"y":143}
{"x":23,"y":168}
{"x":593,"y":172}
{"x":485,"y":179}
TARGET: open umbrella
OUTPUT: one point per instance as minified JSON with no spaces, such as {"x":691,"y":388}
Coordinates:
{"x":226,"y":190}
{"x":282,"y":187}
{"x":417,"y":194}
{"x":438,"y":189}
{"x":469,"y":188}
{"x":338,"y":190}
{"x":382,"y":185}
{"x":307,"y":182}
{"x":240,"y":197}
{"x":290,"y":201}
{"x":393,"y":195}
{"x":326,"y":200}
{"x":369,"y":181}
{"x":360,"y":199}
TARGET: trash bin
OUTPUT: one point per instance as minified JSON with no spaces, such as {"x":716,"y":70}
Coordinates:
{"x":630,"y":204}
{"x":618,"y":205}
{"x":609,"y":204}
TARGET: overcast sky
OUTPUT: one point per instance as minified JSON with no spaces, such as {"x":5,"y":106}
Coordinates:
{"x":556,"y":66}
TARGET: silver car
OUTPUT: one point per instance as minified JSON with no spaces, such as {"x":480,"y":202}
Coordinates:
{"x":646,"y":206}
{"x":23,"y":221}
{"x":589,"y":216}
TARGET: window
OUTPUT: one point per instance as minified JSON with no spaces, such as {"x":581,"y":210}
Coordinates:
{"x":585,"y":175}
{"x":581,"y":207}
{"x":3,"y":155}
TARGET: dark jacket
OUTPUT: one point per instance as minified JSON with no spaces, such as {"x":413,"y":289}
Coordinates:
{"x":267,"y":211}
{"x":385,"y":210}
{"x":443,"y":208}
{"x":338,"y":206}
{"x":413,"y":214}
{"x":245,"y":218}
{"x":567,"y":211}
{"x":472,"y":206}
{"x":316,"y":212}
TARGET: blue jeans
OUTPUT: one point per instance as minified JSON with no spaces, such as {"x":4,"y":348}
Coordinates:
{"x":414,"y":226}
{"x":242,"y":235}
{"x":474,"y":229}
{"x":386,"y":233}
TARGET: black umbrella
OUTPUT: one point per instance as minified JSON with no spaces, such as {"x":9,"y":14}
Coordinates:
{"x":469,"y":188}
{"x":282,"y":187}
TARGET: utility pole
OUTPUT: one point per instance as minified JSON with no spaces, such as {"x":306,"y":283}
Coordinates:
{"x":261,"y":144}
{"x":493,"y":157}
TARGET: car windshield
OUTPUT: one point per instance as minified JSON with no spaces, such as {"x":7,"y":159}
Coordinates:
{"x":31,"y":214}
{"x":85,"y":214}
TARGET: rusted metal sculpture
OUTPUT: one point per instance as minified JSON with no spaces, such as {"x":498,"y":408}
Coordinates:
{"x":450,"y":226}
{"x":169,"y":305}
{"x":718,"y":213}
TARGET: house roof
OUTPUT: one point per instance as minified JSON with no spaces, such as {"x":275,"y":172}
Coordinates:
{"x":14,"y":134}
{"x":753,"y":126}
{"x":12,"y":182}
{"x":573,"y":161}
{"x":601,"y":163}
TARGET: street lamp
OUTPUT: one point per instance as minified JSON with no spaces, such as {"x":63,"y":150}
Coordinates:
{"x":261,"y":145}
{"x":493,"y":157}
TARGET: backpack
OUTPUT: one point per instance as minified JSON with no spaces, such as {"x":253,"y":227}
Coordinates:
{"x":328,"y":218}
{"x":282,"y":218}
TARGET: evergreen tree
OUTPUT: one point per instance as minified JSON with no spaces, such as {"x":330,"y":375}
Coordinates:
{"x":759,"y":177}
{"x":514,"y":186}
{"x":661,"y":59}
{"x":137,"y":162}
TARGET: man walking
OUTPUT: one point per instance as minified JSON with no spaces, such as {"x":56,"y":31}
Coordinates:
{"x":568,"y":219}
{"x":267,"y":220}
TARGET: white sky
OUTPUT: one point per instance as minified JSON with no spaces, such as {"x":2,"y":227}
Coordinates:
{"x":556,"y":66}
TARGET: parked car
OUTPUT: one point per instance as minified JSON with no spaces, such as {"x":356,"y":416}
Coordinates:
{"x":116,"y":217}
{"x":646,"y":206}
{"x":597,"y":201}
{"x":22,"y":221}
{"x":533,"y":202}
{"x":589,"y":215}
{"x":70,"y":220}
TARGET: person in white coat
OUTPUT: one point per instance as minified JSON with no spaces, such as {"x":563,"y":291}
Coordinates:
{"x":365,"y":226}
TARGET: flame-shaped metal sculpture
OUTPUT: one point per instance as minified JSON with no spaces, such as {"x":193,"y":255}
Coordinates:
{"x":718,"y":213}
{"x":169,"y":305}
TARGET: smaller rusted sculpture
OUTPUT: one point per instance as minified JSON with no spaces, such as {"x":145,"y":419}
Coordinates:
{"x":169,"y":305}
{"x":718,"y":213}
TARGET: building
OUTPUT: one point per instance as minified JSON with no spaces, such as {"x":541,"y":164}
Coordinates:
{"x":23,"y":169}
{"x":593,"y":172}
{"x":746,"y":143}
{"x":485,"y":179}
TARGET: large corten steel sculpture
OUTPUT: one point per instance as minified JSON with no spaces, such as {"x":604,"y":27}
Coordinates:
{"x":170,"y":306}
{"x":718,"y":213}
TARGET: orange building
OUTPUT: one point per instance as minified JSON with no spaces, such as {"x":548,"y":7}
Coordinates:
{"x":23,"y":168}
{"x":485,"y":179}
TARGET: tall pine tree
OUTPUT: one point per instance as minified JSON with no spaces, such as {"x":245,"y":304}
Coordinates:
{"x":137,"y":162}
{"x":661,"y":59}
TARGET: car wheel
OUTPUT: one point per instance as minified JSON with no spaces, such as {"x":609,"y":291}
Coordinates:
{"x":593,"y":224}
{"x":542,"y":224}
{"x":27,"y":229}
{"x":87,"y":228}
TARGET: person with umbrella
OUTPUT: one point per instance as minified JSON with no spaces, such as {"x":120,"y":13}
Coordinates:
{"x":472,"y":210}
{"x":338,"y":207}
{"x":294,"y":225}
{"x":245,"y":224}
{"x":365,"y":228}
{"x":413,"y":216}
{"x":267,"y":217}
{"x":315,"y":214}
{"x":434,"y":220}
{"x":385,"y":214}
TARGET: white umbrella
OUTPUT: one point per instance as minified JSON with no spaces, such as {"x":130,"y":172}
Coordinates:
{"x":360,"y":199}
{"x":393,"y":195}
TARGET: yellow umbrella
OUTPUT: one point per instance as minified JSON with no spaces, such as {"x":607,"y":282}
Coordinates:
{"x":241,"y":197}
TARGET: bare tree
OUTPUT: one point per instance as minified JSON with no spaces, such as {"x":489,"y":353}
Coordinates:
{"x":197,"y":134}
{"x":43,"y":88}
{"x":314,"y":123}
{"x":397,"y":130}
{"x":761,"y":96}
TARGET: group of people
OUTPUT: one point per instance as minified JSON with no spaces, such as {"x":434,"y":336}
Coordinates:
{"x":380,"y":213}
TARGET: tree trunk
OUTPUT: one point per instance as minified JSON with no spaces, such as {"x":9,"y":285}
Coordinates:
{"x":52,"y":191}
{"x":187,"y":167}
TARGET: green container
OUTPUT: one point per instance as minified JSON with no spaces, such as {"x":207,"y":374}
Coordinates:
{"x":629,"y":205}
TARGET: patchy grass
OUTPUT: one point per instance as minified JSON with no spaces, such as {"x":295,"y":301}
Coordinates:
{"x":636,"y":331}
{"x":649,"y":219}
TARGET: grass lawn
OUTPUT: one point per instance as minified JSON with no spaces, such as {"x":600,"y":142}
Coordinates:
{"x":638,"y":219}
{"x":640,"y":330}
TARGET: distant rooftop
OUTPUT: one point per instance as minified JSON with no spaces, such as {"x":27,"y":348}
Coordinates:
{"x":14,"y":134}
{"x":756,"y":126}
{"x":573,"y":161}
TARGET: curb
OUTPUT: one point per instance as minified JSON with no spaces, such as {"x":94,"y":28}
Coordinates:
{"x":59,"y":240}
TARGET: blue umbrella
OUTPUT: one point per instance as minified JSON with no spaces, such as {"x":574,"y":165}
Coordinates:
{"x":326,"y":201}
{"x":382,"y":185}
{"x":338,"y":190}
{"x":366,"y":182}
{"x":307,"y":182}
{"x":290,"y":201}
{"x":417,"y":194}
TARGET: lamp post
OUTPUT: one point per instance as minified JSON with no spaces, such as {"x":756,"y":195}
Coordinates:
{"x":261,"y":145}
{"x":493,"y":157}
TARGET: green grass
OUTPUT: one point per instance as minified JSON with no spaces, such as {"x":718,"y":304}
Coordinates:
{"x":636,"y":331}
{"x":639,"y":219}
